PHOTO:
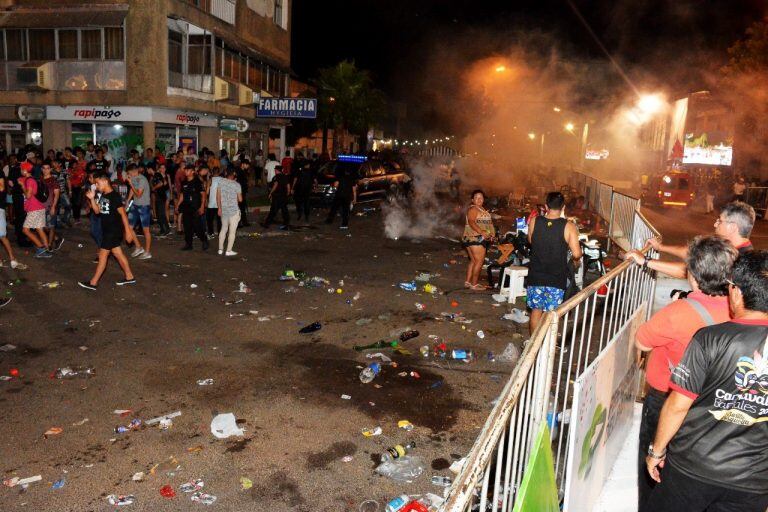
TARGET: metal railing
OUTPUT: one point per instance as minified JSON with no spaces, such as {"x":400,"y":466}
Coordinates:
{"x":540,"y":387}
{"x":758,"y":198}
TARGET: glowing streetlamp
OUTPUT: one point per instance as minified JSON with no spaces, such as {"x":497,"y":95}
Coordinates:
{"x":556,"y":109}
{"x":501,"y":68}
{"x":569,"y":127}
{"x":650,"y":103}
{"x":531,"y":135}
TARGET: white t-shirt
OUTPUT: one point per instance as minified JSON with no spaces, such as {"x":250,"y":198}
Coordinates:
{"x":270,"y":168}
{"x":212,"y":194}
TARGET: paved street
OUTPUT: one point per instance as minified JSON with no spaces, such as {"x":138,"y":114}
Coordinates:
{"x":150,"y":343}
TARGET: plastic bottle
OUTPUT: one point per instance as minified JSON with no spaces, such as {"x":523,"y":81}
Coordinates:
{"x":71,"y":372}
{"x":462,"y":355}
{"x":397,"y":451}
{"x":408,"y":286}
{"x":397,"y":504}
{"x":370,"y":372}
{"x":441,"y":481}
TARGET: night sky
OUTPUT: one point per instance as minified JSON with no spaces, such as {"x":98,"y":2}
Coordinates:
{"x":677,"y":44}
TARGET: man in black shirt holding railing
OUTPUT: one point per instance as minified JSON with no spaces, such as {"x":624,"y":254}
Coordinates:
{"x":715,"y":420}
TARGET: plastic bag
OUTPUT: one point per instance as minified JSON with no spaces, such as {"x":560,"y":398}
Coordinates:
{"x":225,"y":425}
{"x":510,"y":355}
{"x":404,"y":469}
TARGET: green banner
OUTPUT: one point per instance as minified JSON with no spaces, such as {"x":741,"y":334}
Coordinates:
{"x":538,"y":491}
{"x":81,"y":139}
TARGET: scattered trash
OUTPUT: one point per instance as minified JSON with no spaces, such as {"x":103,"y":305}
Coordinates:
{"x":379,"y":355}
{"x":53,"y":431}
{"x":369,"y":506}
{"x":121,"y":500}
{"x":14,"y":372}
{"x":347,"y":458}
{"x":193,"y":286}
{"x":70,"y":372}
{"x":192,"y":485}
{"x":13,"y":482}
{"x":346,"y":397}
{"x":170,"y":466}
{"x":122,"y":412}
{"x":236,"y":315}
{"x":363,"y":321}
{"x":462,"y":355}
{"x":135,"y":424}
{"x":405,"y":425}
{"x":233,"y":302}
{"x":138,"y":477}
{"x":165,"y":423}
{"x":242,"y":288}
{"x":370,"y":372}
{"x":245,"y":483}
{"x":430,"y":288}
{"x":510,"y":354}
{"x":397,"y":451}
{"x":7,"y":347}
{"x":406,"y":469}
{"x":404,"y":336}
{"x":480,"y":334}
{"x":356,"y":296}
{"x":499,"y":297}
{"x":436,"y":384}
{"x":372,"y":432}
{"x":167,"y":491}
{"x":420,"y":306}
{"x":456,"y":466}
{"x":517,"y":315}
{"x":81,"y":422}
{"x":52,"y":284}
{"x":408,"y":286}
{"x":224,"y":426}
{"x":313,"y":327}
{"x":424,"y":350}
{"x":195,"y":449}
{"x":161,"y":418}
{"x":205,"y":499}
{"x":441,"y":481}
{"x":58,"y":484}
{"x":83,"y":348}
{"x":205,"y":382}
{"x":397,"y":504}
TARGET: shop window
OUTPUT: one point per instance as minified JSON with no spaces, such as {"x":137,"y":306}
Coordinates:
{"x":16,"y":42}
{"x":90,"y":44}
{"x":42,"y":44}
{"x":68,"y":44}
{"x":113,"y":43}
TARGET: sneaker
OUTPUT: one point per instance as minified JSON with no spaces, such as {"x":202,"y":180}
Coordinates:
{"x":58,"y":243}
{"x":230,"y":253}
{"x":145,"y":256}
{"x":220,"y":252}
{"x":42,"y":253}
{"x":4,"y":302}
{"x":125,"y":282}
{"x":86,"y":285}
{"x":137,"y":251}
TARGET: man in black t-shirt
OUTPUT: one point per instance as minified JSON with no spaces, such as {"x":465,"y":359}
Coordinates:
{"x":243,"y":170}
{"x":715,"y":420}
{"x":279,"y":191}
{"x":192,"y":208}
{"x":346,"y":179}
{"x":303,"y":181}
{"x":114,"y":227}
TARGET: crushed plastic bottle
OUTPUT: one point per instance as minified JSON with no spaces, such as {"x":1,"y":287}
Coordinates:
{"x":406,"y":469}
{"x":192,"y":485}
{"x":288,"y":275}
{"x":121,"y":500}
{"x":70,"y":372}
{"x":135,"y":424}
{"x":370,"y":372}
{"x":441,"y":481}
{"x":462,"y":355}
{"x":205,"y":382}
{"x":314,"y":326}
{"x":408,"y":286}
{"x":397,"y":504}
{"x":397,"y":451}
{"x":52,"y":284}
{"x":204,"y":498}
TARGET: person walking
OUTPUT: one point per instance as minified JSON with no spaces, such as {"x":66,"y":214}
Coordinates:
{"x":34,"y":207}
{"x":666,"y":335}
{"x":243,"y":170}
{"x":3,"y":224}
{"x":229,"y":194}
{"x":192,"y":209}
{"x":346,"y":179}
{"x":161,"y":186}
{"x":270,"y":170}
{"x":709,"y":196}
{"x":114,"y":227}
{"x":551,"y":237}
{"x":709,"y":452}
{"x":51,"y":207}
{"x":739,"y":188}
{"x":303,"y":181}
{"x":140,"y":210}
{"x":212,"y":216}
{"x":479,"y":231}
{"x":77,"y":180}
{"x":278,"y":195}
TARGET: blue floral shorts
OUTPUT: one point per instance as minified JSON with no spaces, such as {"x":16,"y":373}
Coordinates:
{"x":544,"y":298}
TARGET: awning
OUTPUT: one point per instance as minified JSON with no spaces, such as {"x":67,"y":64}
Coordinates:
{"x":93,"y":15}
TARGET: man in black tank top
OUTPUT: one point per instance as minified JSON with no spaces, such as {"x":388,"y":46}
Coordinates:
{"x":551,"y":237}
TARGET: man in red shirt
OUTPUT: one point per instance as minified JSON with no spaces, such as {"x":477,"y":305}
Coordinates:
{"x":667,"y":334}
{"x":286,"y":163}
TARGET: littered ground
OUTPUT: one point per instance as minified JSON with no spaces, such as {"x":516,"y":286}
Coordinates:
{"x":150,"y":343}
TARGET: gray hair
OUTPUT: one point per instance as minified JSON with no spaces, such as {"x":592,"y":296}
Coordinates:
{"x":741,"y":214}
{"x":710,"y":261}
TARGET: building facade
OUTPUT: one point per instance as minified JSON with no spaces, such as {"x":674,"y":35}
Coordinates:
{"x":171,"y":74}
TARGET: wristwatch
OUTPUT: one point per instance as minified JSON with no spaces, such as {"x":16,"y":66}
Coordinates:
{"x":655,"y":455}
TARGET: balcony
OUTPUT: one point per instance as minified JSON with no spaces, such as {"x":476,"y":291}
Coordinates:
{"x":97,"y":75}
{"x":222,"y":9}
{"x":200,"y":83}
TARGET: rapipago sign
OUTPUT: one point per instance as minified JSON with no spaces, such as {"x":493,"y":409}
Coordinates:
{"x":301,"y":108}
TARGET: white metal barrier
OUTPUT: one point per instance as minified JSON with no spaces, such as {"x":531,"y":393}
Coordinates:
{"x":540,"y":387}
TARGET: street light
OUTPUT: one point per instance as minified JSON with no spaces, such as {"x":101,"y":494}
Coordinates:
{"x":531,"y":135}
{"x":569,"y":127}
{"x":556,"y":109}
{"x":650,"y":103}
{"x":501,"y":68}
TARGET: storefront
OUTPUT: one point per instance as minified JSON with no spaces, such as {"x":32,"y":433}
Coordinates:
{"x":124,"y":128}
{"x":14,"y":136}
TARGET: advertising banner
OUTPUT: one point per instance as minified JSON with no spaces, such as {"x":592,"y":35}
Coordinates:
{"x":538,"y":490}
{"x":677,"y":129}
{"x":91,"y":113}
{"x":305,"y":108}
{"x":603,"y":398}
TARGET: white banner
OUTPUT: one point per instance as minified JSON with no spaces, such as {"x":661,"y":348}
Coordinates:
{"x":603,"y":397}
{"x":90,"y":113}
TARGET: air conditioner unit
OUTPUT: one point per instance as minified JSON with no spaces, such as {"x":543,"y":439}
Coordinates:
{"x":220,"y":89}
{"x":244,"y":95}
{"x":36,"y":75}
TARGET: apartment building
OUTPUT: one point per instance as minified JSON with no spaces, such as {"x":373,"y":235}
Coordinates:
{"x":142,"y":73}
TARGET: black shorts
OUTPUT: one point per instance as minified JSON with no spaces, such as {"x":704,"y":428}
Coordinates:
{"x":477,"y":240}
{"x":111,"y":240}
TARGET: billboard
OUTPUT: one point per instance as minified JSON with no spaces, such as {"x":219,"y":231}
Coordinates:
{"x":708,"y":148}
{"x":303,"y":108}
{"x":596,"y":154}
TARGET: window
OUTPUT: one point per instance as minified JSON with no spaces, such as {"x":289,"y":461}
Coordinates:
{"x":90,"y":44}
{"x":42,"y":44}
{"x":254,"y":74}
{"x":67,"y":44}
{"x":175,"y":42}
{"x":16,"y":41}
{"x":199,"y":55}
{"x":279,"y":13}
{"x":113,"y":43}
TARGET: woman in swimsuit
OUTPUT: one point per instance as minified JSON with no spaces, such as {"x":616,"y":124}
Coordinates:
{"x":478,"y":233}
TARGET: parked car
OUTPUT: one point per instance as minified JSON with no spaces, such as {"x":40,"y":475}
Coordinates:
{"x":376,"y":180}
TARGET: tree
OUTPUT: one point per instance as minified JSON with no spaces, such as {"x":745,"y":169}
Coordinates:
{"x":348,"y":101}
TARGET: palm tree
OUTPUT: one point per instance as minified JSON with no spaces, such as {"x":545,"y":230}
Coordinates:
{"x":348,"y":101}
